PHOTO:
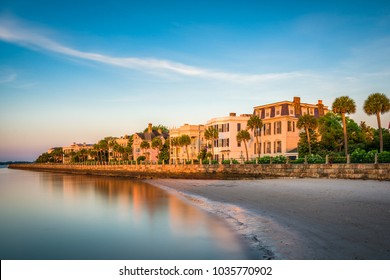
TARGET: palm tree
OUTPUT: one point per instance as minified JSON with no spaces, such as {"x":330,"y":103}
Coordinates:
{"x":255,"y":124}
{"x":211,"y":134}
{"x":175,"y":143}
{"x":184,"y":141}
{"x":377,"y":104}
{"x":157,"y":145}
{"x":307,"y":122}
{"x":244,"y":136}
{"x":344,"y":105}
{"x":145,"y":145}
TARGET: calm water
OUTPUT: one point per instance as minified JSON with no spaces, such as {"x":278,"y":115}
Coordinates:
{"x":56,"y":216}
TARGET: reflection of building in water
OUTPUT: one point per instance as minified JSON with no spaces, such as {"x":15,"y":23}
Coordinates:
{"x":137,"y":205}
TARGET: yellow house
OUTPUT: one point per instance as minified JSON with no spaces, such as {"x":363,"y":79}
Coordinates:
{"x":227,"y":147}
{"x":279,"y":135}
{"x":179,"y":153}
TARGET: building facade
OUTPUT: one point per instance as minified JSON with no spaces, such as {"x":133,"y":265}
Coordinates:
{"x":68,"y":151}
{"x":178,"y":153}
{"x":280,"y":135}
{"x":227,"y":147}
{"x":150,"y":154}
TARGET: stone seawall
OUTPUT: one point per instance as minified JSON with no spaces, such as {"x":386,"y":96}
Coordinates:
{"x":235,"y":171}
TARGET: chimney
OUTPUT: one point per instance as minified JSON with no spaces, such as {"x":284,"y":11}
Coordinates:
{"x":320,"y":108}
{"x":232,"y":114}
{"x":297,"y":105}
{"x":150,"y":128}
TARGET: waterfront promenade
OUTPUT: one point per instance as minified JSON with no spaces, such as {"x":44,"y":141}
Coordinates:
{"x":368,"y":171}
{"x":299,"y":218}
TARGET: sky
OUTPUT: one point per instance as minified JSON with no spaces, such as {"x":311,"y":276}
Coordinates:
{"x":78,"y":71}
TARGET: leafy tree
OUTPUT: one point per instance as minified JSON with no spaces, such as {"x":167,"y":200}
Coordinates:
{"x":344,"y":105}
{"x":307,"y":122}
{"x":331,"y":131}
{"x":185,"y":141}
{"x":164,"y":153}
{"x":303,"y":145}
{"x":163,"y":128}
{"x":211,"y":134}
{"x":377,"y":104}
{"x":244,"y":136}
{"x":175,"y":143}
{"x":157,"y":145}
{"x":145,"y":145}
{"x":255,"y":124}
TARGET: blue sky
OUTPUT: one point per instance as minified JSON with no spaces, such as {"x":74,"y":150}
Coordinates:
{"x":77,"y":71}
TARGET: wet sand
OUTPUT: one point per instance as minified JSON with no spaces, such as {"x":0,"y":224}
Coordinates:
{"x":298,"y":218}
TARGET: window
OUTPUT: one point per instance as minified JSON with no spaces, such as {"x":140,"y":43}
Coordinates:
{"x":267,"y":129}
{"x":239,"y":144}
{"x":293,"y":126}
{"x":278,"y":127}
{"x":277,"y":146}
{"x":227,"y":142}
{"x":225,"y":127}
{"x":239,"y":127}
{"x":289,"y":127}
{"x":267,"y":147}
{"x":277,"y":111}
{"x":254,"y":148}
{"x":267,"y":113}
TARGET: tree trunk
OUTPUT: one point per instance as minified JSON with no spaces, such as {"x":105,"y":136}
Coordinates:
{"x":378,"y":117}
{"x":188,"y":157}
{"x":257,"y":145}
{"x":246,"y":150}
{"x":308,"y":139}
{"x":345,"y":134}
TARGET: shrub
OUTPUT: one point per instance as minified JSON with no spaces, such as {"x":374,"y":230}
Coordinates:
{"x":337,"y":159}
{"x":250,"y":161}
{"x":279,"y":159}
{"x":297,"y":161}
{"x":358,"y":156}
{"x":315,"y":159}
{"x":265,"y":160}
{"x":384,"y":157}
{"x":141,"y":158}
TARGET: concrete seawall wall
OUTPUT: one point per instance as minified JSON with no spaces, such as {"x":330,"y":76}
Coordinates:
{"x":235,"y":171}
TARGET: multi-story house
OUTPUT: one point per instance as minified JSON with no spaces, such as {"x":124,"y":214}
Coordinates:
{"x":280,"y":135}
{"x":150,"y":154}
{"x":196,"y":134}
{"x":115,"y":154}
{"x":227,"y":147}
{"x":74,"y":148}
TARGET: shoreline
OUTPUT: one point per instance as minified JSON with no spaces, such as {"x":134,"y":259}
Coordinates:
{"x":297,"y":219}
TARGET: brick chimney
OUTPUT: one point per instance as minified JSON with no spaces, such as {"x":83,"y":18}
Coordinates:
{"x":320,"y":108}
{"x":150,"y":127}
{"x":232,"y":114}
{"x":297,"y":105}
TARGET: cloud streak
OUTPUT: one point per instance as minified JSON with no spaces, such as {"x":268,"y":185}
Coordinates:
{"x":16,"y":32}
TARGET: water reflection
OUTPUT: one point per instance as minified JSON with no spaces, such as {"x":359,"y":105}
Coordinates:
{"x":55,"y":216}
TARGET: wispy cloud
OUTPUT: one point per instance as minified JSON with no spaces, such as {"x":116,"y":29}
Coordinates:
{"x":7,"y":77}
{"x":16,"y":31}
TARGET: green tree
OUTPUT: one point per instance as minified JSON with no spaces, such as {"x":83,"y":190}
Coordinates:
{"x":185,"y":141}
{"x":377,"y":104}
{"x":175,"y":143}
{"x":211,"y":134}
{"x":163,"y":128}
{"x":344,"y":105}
{"x":157,"y":145}
{"x":244,"y":136}
{"x":307,"y":122}
{"x":255,"y":124}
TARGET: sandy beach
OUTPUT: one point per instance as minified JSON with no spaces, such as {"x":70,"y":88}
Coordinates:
{"x":298,"y":218}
